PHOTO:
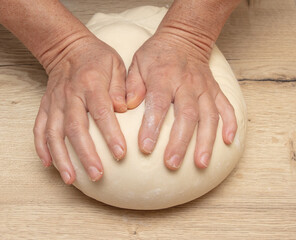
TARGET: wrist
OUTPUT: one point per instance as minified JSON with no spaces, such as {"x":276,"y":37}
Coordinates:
{"x":198,"y":22}
{"x":61,"y":48}
{"x":191,"y":40}
{"x":45,"y":27}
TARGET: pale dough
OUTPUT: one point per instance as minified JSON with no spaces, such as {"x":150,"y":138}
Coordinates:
{"x":143,"y":182}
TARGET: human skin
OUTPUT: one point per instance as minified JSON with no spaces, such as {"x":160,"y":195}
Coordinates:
{"x":86,"y":75}
{"x":173,"y":66}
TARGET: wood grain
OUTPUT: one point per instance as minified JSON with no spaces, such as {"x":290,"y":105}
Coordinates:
{"x":258,"y":199}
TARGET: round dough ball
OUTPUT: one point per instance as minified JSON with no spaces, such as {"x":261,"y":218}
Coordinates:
{"x":140,"y":181}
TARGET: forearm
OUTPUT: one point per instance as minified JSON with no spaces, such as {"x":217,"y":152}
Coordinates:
{"x":198,"y":21}
{"x":45,"y":27}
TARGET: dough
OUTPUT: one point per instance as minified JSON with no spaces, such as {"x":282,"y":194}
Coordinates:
{"x":143,"y":182}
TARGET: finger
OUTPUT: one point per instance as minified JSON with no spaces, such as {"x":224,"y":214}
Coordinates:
{"x":40,"y":138}
{"x":56,"y":144}
{"x":101,"y":109}
{"x":207,"y":128}
{"x":186,"y":112}
{"x":117,"y":88}
{"x":157,"y":103}
{"x":227,"y":114}
{"x":135,"y":87}
{"x":76,"y":129}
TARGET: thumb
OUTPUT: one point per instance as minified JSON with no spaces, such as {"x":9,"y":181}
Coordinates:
{"x":117,"y":89}
{"x":135,"y":88}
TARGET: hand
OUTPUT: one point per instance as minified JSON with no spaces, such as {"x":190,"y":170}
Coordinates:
{"x":168,"y":68}
{"x":90,"y":76}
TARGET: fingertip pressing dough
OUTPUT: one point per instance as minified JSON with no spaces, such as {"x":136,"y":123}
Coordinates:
{"x":140,"y":181}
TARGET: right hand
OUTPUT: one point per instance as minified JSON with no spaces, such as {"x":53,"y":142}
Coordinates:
{"x":87,"y":76}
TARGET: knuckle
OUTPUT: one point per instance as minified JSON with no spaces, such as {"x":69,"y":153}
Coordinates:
{"x":157,"y":101}
{"x":159,"y":106}
{"x":102,"y":113}
{"x":189,"y":113}
{"x":51,"y":134}
{"x":213,"y":117}
{"x":85,"y":156}
{"x":72,"y":128}
{"x":117,"y":89}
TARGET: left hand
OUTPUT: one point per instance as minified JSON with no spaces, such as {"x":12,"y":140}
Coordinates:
{"x":169,"y":69}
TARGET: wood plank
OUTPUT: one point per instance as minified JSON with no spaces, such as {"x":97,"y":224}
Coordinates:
{"x":258,"y":40}
{"x":260,"y":192}
{"x":258,"y":199}
{"x":83,"y":11}
{"x":272,"y":4}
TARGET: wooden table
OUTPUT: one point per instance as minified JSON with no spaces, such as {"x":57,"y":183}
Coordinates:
{"x":257,"y":201}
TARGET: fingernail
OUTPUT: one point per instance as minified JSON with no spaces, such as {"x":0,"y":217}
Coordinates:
{"x":66,"y":177}
{"x":129,"y":97}
{"x":121,"y":104}
{"x":120,"y":99}
{"x":118,"y":152}
{"x":94,"y":173}
{"x":204,"y":160}
{"x":174,"y":161}
{"x":231,"y":137}
{"x":148,"y":145}
{"x":122,"y":108}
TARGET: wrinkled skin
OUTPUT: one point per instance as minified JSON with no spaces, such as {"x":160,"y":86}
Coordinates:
{"x":90,"y":78}
{"x":86,"y":75}
{"x":167,"y":69}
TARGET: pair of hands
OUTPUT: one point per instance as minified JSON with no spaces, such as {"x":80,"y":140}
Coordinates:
{"x":91,"y":77}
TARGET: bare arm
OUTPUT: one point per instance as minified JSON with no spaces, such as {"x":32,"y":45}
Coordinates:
{"x":198,"y":22}
{"x":45,"y":27}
